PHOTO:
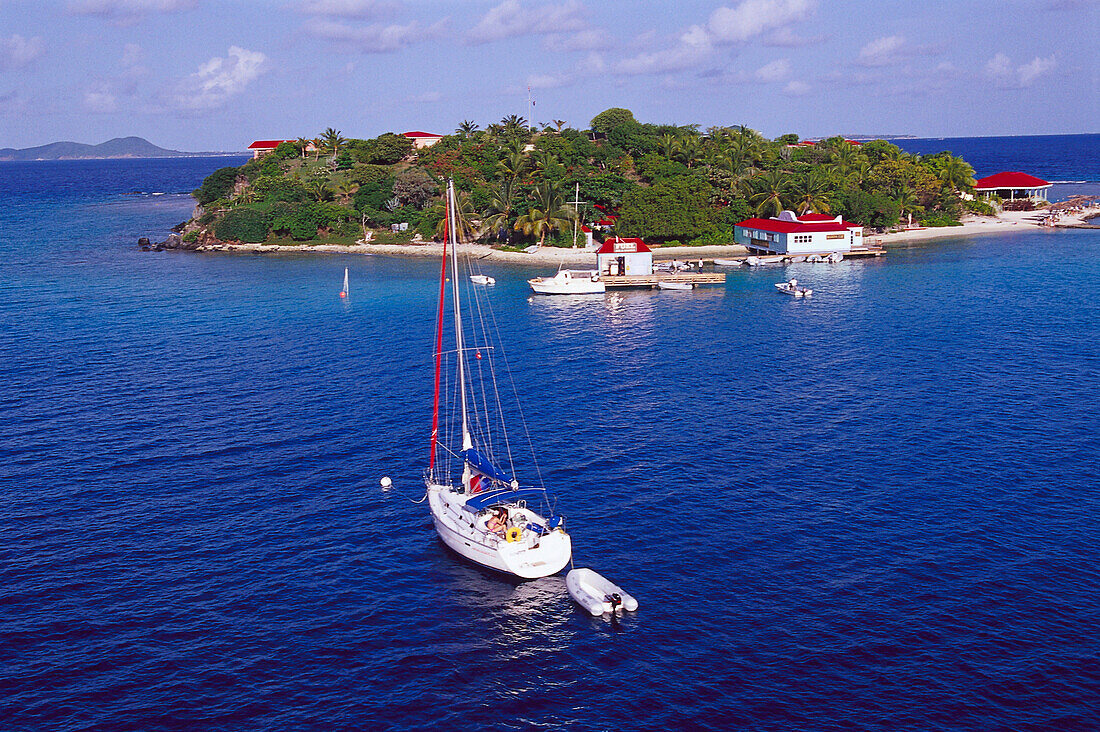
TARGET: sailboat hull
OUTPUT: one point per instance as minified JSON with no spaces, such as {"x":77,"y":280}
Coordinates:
{"x":529,"y":557}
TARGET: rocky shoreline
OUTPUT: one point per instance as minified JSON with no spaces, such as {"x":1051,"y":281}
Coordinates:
{"x":206,"y":242}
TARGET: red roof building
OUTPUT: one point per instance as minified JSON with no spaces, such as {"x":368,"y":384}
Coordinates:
{"x":623,"y":256}
{"x":421,"y":140}
{"x":810,"y":233}
{"x":1013,"y":185}
{"x":262,"y":147}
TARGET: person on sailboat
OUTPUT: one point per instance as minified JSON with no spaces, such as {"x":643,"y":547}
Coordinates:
{"x":497,"y":520}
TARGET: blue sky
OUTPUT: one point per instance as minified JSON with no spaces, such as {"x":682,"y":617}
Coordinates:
{"x":208,"y":75}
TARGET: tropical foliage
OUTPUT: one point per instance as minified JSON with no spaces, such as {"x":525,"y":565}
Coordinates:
{"x":666,"y":183}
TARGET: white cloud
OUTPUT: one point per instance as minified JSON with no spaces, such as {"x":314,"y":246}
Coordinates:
{"x":1005,"y":75}
{"x":374,"y":38}
{"x":17,"y":52}
{"x":132,"y":54}
{"x":219,"y":79}
{"x":511,"y":19}
{"x":786,"y":38}
{"x":884,"y":51}
{"x":753,"y":17}
{"x":1037,"y":67}
{"x":100,"y":98}
{"x":775,"y":71}
{"x":127,"y":12}
{"x":426,"y":98}
{"x":358,"y":9}
{"x":726,"y":25}
{"x":796,"y":88}
{"x":693,"y":48}
{"x":585,"y":40}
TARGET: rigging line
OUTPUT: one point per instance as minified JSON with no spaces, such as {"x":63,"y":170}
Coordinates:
{"x":519,"y":408}
{"x":438,"y":350}
{"x":479,"y":306}
{"x":487,"y":338}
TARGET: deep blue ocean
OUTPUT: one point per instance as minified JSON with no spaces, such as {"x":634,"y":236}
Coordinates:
{"x":875,"y":509}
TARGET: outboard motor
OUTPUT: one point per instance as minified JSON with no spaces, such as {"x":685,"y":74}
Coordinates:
{"x":615,"y":600}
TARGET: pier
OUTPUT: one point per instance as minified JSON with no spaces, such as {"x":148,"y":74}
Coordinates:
{"x":650,"y":280}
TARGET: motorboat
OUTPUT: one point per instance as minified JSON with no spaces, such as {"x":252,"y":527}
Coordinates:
{"x":797,"y":260}
{"x":479,"y":506}
{"x":569,"y":282}
{"x":666,"y":285}
{"x":597,"y":594}
{"x":727,"y":263}
{"x":791,"y":287}
{"x":480,"y":279}
{"x":834,"y":258}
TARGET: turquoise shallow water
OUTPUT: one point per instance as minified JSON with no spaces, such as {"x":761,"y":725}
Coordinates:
{"x":871,"y":510}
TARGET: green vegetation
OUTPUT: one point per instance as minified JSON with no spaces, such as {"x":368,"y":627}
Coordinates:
{"x":665,"y":183}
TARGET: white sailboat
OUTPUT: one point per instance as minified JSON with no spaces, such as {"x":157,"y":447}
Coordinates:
{"x":482,"y":510}
{"x":344,"y":292}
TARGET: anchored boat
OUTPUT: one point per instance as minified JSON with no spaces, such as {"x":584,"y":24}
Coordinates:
{"x":569,"y":282}
{"x":791,"y":287}
{"x":479,"y":505}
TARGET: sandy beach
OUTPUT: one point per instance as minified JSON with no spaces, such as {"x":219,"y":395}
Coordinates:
{"x":1006,"y":222}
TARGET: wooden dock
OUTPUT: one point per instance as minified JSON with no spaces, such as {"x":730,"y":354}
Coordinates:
{"x":694,"y":278}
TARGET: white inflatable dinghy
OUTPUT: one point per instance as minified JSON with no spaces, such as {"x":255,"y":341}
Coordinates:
{"x":597,"y":594}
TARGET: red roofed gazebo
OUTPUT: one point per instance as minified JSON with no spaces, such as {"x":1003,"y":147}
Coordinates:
{"x":1012,"y":185}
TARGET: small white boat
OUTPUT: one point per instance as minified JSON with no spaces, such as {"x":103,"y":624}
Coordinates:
{"x":760,"y":261}
{"x":569,"y":282}
{"x":532,"y":249}
{"x":815,"y":258}
{"x":834,"y":258}
{"x":480,"y":279}
{"x":791,"y":287}
{"x":797,"y":260}
{"x":597,"y":594}
{"x":662,"y":284}
{"x":727,"y":263}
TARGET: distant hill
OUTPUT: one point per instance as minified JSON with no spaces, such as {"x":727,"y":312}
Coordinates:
{"x":120,"y":147}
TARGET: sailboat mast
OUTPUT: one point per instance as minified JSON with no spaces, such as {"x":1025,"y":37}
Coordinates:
{"x":467,"y":441}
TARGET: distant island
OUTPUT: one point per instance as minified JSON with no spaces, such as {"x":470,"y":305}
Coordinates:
{"x":120,"y":147}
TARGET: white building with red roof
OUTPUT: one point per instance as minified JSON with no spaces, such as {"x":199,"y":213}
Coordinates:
{"x":1012,"y":185}
{"x":788,"y":233}
{"x":262,"y":147}
{"x":621,"y":256}
{"x":421,"y":140}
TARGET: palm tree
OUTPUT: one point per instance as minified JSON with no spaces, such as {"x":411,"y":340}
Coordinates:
{"x":812,"y":193}
{"x":666,"y":146}
{"x":346,"y":190}
{"x":559,"y":124}
{"x":302,"y":144}
{"x":499,"y":214}
{"x":333,"y":141}
{"x":466,"y":129}
{"x":465,"y":216}
{"x":320,"y":190}
{"x":547,"y":215}
{"x":688,"y":150}
{"x":514,"y":162}
{"x":771,"y":192}
{"x":318,"y":143}
{"x":957,"y":173}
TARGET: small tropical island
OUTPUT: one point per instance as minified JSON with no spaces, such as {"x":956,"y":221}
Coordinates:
{"x":520,"y":187}
{"x":119,"y":147}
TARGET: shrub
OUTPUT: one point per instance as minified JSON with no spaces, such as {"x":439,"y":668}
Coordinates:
{"x":979,"y":207}
{"x":216,"y":185}
{"x":191,"y":236}
{"x":246,"y":223}
{"x":940,"y":219}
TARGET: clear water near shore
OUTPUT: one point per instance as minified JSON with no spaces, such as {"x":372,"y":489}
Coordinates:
{"x":874,"y":509}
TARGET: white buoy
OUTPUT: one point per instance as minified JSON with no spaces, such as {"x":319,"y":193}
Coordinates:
{"x":386,"y":482}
